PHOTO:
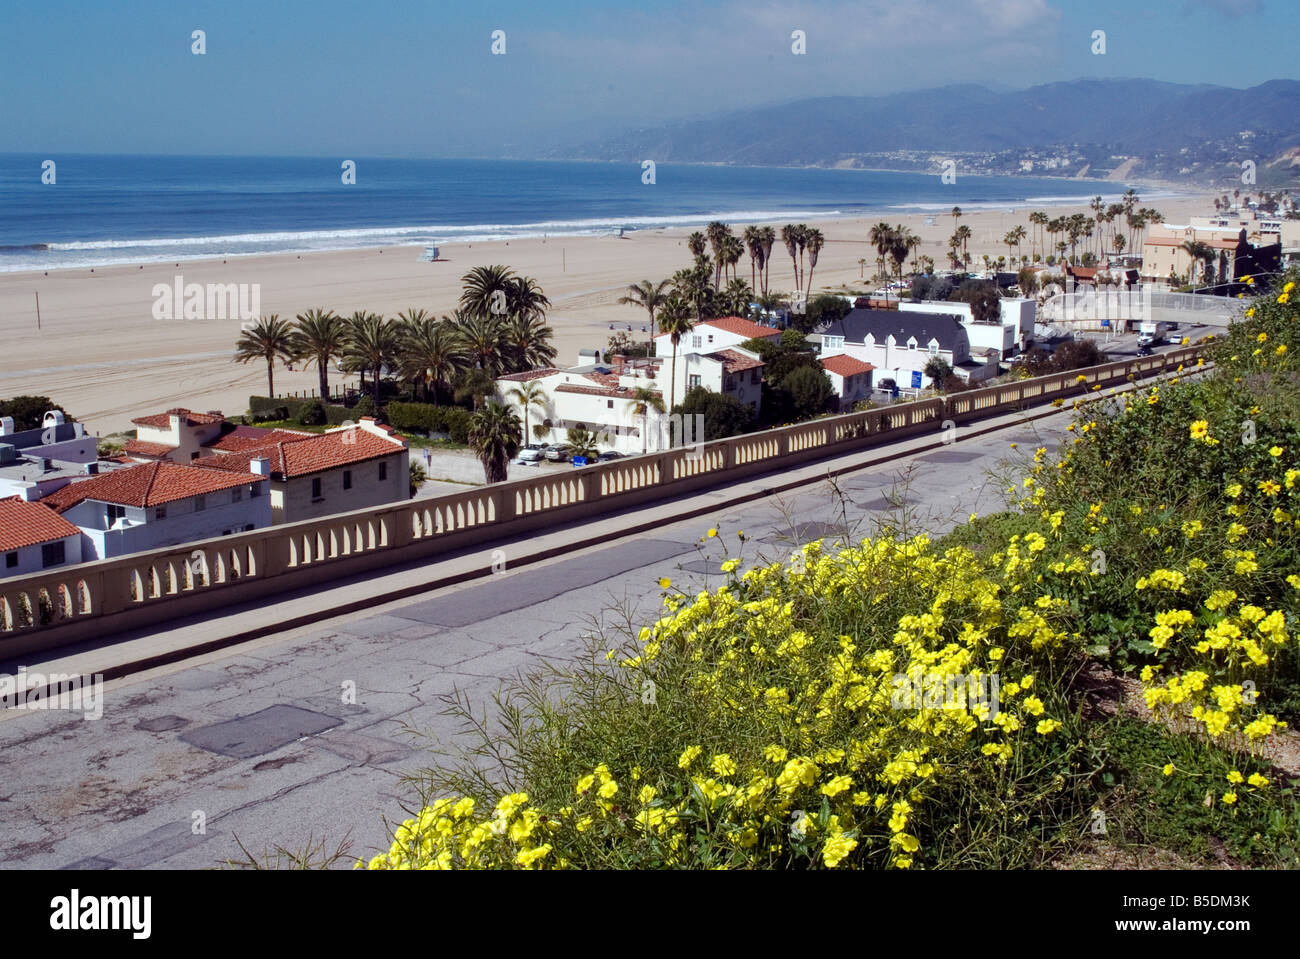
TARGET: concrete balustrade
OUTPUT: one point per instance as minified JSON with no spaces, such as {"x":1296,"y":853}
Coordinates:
{"x":93,"y":600}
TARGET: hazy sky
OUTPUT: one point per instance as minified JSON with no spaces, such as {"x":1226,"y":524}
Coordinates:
{"x":418,"y":77}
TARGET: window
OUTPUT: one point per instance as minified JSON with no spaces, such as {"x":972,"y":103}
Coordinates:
{"x":753,"y":375}
{"x":315,"y":489}
{"x":934,"y":349}
{"x":609,"y":404}
{"x":52,"y":554}
{"x":254,"y":489}
{"x":833,"y":342}
{"x":383,"y":468}
{"x":710,"y":337}
{"x":200,"y":503}
{"x":160,"y":512}
{"x":697,"y":340}
{"x":347,"y":479}
{"x":114,"y":512}
{"x":693,"y":381}
{"x":11,"y":560}
{"x":236,"y":494}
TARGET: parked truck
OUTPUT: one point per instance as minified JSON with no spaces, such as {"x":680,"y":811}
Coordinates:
{"x":1152,"y":332}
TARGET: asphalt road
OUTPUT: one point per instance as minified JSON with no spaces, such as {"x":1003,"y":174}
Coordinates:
{"x":263,"y":744}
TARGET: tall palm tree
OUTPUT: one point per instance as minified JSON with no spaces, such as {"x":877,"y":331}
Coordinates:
{"x":525,"y":298}
{"x":914,"y":244}
{"x":528,"y":394}
{"x":649,"y":296}
{"x":372,"y":345}
{"x":478,"y":287}
{"x":790,"y":237}
{"x":737,"y":297}
{"x":1039,"y":219}
{"x":494,"y":436}
{"x":767,"y":236}
{"x":964,"y":233}
{"x":318,"y":337}
{"x":431,"y":351}
{"x":675,"y":320}
{"x":882,"y":238}
{"x":753,"y":239}
{"x":898,"y":251}
{"x":717,"y":232}
{"x":956,"y":215}
{"x":814,"y":240}
{"x":270,"y":339}
{"x":644,"y":400}
{"x":526,"y":343}
{"x":732,"y":250}
{"x":694,"y":286}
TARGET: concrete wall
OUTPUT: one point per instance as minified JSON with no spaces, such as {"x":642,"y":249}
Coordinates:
{"x":93,"y":600}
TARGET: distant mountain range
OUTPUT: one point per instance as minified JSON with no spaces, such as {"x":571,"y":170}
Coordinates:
{"x":1172,"y":130}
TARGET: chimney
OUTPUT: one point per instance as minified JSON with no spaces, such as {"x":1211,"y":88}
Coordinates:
{"x":53,"y":418}
{"x":174,"y":423}
{"x":31,"y":493}
{"x":6,"y":426}
{"x":260,"y":466}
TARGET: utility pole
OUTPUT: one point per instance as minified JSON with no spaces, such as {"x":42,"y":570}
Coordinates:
{"x":38,"y":311}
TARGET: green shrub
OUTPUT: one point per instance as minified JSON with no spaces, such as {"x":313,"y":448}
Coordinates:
{"x":311,"y":413}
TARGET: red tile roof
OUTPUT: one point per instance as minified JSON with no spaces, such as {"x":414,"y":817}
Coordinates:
{"x":841,"y":364}
{"x":163,"y":420}
{"x":733,"y":362}
{"x":26,"y":524}
{"x":143,"y":448}
{"x":302,"y":456}
{"x":741,"y":327}
{"x":250,"y":437}
{"x":149,"y":484}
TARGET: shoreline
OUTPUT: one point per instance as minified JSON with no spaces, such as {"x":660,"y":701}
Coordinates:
{"x":100,"y":354}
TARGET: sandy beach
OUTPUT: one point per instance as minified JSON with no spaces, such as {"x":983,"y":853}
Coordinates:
{"x":100,"y":353}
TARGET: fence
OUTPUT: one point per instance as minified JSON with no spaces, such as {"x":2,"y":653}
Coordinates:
{"x":91,"y":600}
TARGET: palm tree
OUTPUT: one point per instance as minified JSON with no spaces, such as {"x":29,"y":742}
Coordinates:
{"x":494,"y":436}
{"x":581,"y":442}
{"x":482,"y":336}
{"x":675,"y":320}
{"x":432,"y":352}
{"x":372,"y":345}
{"x":898,"y":251}
{"x":649,"y":296}
{"x":736,"y":297}
{"x":694,"y":286}
{"x":956,"y":215}
{"x":882,"y":237}
{"x":479,"y":286}
{"x":964,"y":234}
{"x":318,"y":337}
{"x":717,"y":232}
{"x":1039,"y":219}
{"x":1197,"y":250}
{"x":1019,"y":233}
{"x":753,"y":238}
{"x":526,"y":341}
{"x":862,"y":267}
{"x":768,"y":236}
{"x":814,"y":240}
{"x":528,"y":394}
{"x":270,"y":339}
{"x":644,"y":400}
{"x":732,"y":250}
{"x":790,"y":237}
{"x":696,"y":241}
{"x":525,"y":298}
{"x":802,"y":239}
{"x":914,"y":244}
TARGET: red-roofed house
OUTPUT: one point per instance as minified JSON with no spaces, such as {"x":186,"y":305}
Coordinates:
{"x":33,"y":538}
{"x":732,"y":371}
{"x":850,"y":377}
{"x":318,"y":474}
{"x":159,"y":504}
{"x":719,"y":334}
{"x":177,"y":435}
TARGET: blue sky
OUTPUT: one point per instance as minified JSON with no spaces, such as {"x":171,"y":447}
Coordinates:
{"x":417,"y":77}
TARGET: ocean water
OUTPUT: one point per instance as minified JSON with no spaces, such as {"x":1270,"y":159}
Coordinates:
{"x":104,"y":210}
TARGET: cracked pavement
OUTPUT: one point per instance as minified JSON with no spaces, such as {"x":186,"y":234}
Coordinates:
{"x":264,"y":745}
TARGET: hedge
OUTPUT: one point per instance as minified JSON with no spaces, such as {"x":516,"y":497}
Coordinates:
{"x":427,"y":418}
{"x":285,"y":407}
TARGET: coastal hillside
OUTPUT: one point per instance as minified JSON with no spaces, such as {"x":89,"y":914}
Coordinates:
{"x":1161,"y":129}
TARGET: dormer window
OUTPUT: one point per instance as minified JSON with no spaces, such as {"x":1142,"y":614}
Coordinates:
{"x":911,"y":343}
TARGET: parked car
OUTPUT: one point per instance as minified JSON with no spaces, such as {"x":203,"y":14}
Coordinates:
{"x":532,"y":453}
{"x":556,"y":453}
{"x":609,"y":455}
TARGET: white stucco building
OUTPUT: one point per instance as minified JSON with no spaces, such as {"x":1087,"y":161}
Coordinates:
{"x":1006,"y":338}
{"x":899,"y":345}
{"x":713,"y":335}
{"x":34,"y":538}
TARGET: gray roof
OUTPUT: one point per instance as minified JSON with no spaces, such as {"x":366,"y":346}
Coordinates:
{"x":903,"y":325}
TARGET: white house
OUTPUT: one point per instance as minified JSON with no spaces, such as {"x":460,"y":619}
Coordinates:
{"x":319,"y":474}
{"x":850,"y":377}
{"x":899,"y":345}
{"x":177,"y":435}
{"x":34,"y":538}
{"x":159,"y":504}
{"x":732,"y":371}
{"x":1007,"y":338}
{"x":712,"y":335}
{"x":39,"y":461}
